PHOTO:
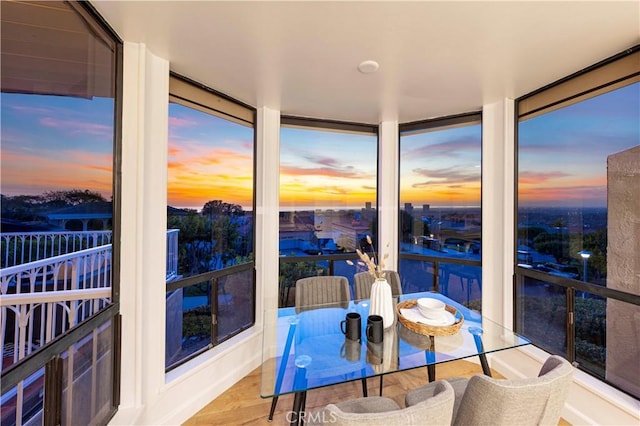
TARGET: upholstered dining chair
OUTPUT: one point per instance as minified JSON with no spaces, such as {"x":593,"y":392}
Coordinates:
{"x":322,"y":290}
{"x":364,"y":280}
{"x":436,"y":409}
{"x":482,"y":400}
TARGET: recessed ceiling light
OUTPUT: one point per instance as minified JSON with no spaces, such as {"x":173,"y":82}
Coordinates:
{"x":367,"y":67}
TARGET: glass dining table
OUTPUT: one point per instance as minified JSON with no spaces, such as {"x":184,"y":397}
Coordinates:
{"x":306,"y":349}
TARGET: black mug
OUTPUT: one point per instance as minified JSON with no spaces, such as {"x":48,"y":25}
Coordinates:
{"x":350,"y":326}
{"x":375,"y":329}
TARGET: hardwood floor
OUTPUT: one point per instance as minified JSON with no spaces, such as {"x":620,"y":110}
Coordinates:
{"x":242,"y":405}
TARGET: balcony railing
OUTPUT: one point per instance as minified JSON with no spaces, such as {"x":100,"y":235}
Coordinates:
{"x":24,"y":247}
{"x":45,"y":298}
{"x":64,"y":278}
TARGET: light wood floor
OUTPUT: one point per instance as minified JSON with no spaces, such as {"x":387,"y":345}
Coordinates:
{"x":241,"y":404}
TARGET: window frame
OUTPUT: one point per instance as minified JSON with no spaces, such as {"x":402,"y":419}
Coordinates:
{"x":438,"y":123}
{"x":191,"y":94}
{"x":617,"y":71}
{"x":52,"y":351}
{"x":325,"y":125}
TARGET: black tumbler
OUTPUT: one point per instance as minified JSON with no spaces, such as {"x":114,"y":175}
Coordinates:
{"x":350,"y":326}
{"x":375,"y":329}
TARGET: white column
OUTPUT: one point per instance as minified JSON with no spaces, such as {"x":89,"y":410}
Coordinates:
{"x":267,"y":210}
{"x":388,"y":169}
{"x":143,"y":212}
{"x":497,"y":211}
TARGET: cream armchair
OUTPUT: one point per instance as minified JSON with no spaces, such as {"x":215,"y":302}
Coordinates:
{"x":483,"y":400}
{"x":435,"y":409}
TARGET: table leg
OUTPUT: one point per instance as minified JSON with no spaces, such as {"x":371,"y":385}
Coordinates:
{"x":431,"y":360}
{"x":431,"y":372}
{"x":477,"y":338}
{"x":283,"y":368}
{"x":298,"y":407}
{"x":485,"y":365}
{"x":274,"y":402}
{"x":364,"y":387}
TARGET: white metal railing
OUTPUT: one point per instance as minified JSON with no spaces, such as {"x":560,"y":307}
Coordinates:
{"x":43,"y":299}
{"x":24,"y":247}
{"x":17,"y":248}
{"x":50,"y":282}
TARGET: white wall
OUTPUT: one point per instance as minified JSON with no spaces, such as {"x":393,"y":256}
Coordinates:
{"x":388,"y":169}
{"x":148,"y":396}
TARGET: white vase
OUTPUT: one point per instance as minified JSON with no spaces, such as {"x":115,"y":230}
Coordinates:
{"x":382,"y":302}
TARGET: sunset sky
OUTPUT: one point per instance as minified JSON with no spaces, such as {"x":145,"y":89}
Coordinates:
{"x":563,"y":154}
{"x":321,"y":169}
{"x":441,"y":168}
{"x":57,"y":143}
{"x":52,"y":143}
{"x":209,"y":159}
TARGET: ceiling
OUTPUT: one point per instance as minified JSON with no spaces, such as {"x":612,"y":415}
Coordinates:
{"x":436,"y":58}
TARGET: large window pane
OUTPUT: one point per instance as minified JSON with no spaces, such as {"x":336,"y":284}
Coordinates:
{"x":210,"y":221}
{"x":328,"y":196}
{"x":210,"y":190}
{"x":87,"y":394}
{"x":57,"y":145}
{"x":542,"y":314}
{"x":234,"y":296}
{"x":577,"y":214}
{"x":563,"y":157}
{"x":440,"y":198}
{"x":189,"y":322}
{"x":328,"y":182}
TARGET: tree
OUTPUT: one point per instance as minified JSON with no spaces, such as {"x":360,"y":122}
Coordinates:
{"x":72,"y":197}
{"x":553,"y":244}
{"x":528,"y":234}
{"x":220,"y":208}
{"x":21,"y":207}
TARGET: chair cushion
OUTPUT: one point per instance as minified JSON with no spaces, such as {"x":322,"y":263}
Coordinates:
{"x":382,"y":411}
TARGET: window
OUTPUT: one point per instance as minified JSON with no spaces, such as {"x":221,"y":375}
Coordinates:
{"x":59,"y":236}
{"x":577,"y":214}
{"x":210,"y":223}
{"x":328,"y":198}
{"x":440,"y":207}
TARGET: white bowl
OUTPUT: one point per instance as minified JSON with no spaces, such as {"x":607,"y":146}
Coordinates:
{"x":431,"y":308}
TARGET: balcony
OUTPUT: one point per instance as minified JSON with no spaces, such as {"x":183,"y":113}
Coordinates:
{"x":50,"y":283}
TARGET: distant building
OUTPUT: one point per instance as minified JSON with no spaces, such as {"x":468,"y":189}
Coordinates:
{"x":101,"y":211}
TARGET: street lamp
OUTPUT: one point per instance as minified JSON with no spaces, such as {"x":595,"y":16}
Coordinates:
{"x":585,"y":254}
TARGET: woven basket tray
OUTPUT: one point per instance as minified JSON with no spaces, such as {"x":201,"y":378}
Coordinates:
{"x":429,"y":330}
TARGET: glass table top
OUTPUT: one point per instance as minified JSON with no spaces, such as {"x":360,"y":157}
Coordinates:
{"x":306,"y":349}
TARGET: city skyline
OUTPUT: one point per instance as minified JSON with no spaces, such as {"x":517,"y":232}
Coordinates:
{"x":53,"y":143}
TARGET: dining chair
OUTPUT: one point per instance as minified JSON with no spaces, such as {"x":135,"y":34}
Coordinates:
{"x":328,"y":290}
{"x":482,"y":400}
{"x":436,"y":409}
{"x":364,"y":280}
